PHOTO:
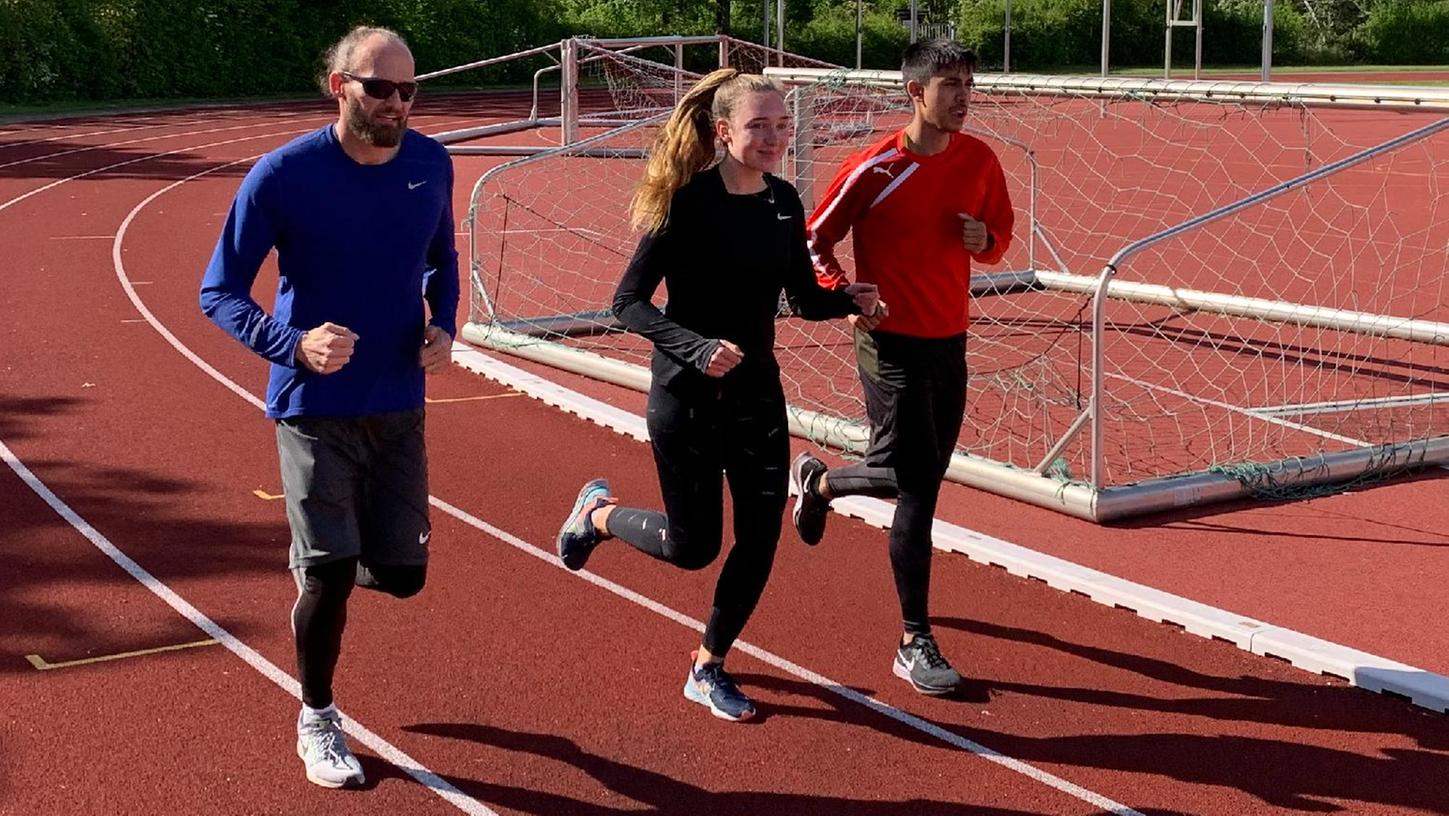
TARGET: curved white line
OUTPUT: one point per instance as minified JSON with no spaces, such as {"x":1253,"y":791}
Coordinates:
{"x":250,"y":656}
{"x":784,"y":665}
{"x":266,"y":668}
{"x":155,"y":138}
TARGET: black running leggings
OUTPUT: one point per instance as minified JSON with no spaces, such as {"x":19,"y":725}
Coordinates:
{"x":915,"y":396}
{"x":320,"y":614}
{"x":737,"y":431}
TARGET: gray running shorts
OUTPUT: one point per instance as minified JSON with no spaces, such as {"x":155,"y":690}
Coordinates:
{"x":356,"y":488}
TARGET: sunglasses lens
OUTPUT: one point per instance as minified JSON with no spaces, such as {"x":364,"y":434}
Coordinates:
{"x":384,"y":88}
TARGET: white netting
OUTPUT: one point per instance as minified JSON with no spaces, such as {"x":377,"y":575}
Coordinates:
{"x":1184,"y":389}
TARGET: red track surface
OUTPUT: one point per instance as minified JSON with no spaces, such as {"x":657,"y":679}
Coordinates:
{"x":531,"y":690}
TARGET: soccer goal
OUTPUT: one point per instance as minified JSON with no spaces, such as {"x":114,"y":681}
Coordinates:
{"x":1215,"y":289}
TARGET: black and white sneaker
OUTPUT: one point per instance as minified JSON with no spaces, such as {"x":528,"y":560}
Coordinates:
{"x":810,"y":509}
{"x":921,"y":664}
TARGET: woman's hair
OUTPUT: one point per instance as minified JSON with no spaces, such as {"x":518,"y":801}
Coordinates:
{"x":339,"y":57}
{"x":686,"y":145}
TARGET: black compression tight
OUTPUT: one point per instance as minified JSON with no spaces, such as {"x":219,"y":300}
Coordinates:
{"x":697,"y":443}
{"x":915,"y":395}
{"x":320,"y":614}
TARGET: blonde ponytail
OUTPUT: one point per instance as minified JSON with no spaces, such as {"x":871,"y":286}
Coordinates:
{"x":687,"y":143}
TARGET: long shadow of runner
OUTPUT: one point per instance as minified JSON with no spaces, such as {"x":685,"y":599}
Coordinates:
{"x":1278,"y":772}
{"x":661,"y":794}
{"x":1310,"y":704}
{"x":152,"y":519}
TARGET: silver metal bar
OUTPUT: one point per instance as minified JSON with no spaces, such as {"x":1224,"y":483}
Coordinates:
{"x":1274,"y":311}
{"x":487,"y":62}
{"x":1003,"y":283}
{"x":569,"y":91}
{"x":1106,"y":34}
{"x":625,"y":42}
{"x":1267,"y":72}
{"x":1309,"y":94}
{"x":1167,"y":48}
{"x":1168,"y":493}
{"x":1278,"y":189}
{"x":858,"y":3}
{"x":678,"y":72}
{"x":780,"y":32}
{"x":1094,"y":402}
{"x":1197,"y":52}
{"x":534,"y":150}
{"x":1061,"y":445}
{"x":483,"y":131}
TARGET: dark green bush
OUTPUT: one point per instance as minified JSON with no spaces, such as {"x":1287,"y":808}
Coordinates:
{"x":1407,"y":31}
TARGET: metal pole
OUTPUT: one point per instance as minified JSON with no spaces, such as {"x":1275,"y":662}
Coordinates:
{"x":1267,"y":41}
{"x":913,"y":21}
{"x":780,"y":30}
{"x":1106,"y":34}
{"x":1006,"y":37}
{"x":765,"y":29}
{"x":678,"y":72}
{"x":1167,"y":51}
{"x":569,"y":91}
{"x":858,"y":32}
{"x":1197,"y":21}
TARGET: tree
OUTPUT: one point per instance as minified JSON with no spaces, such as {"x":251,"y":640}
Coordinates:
{"x":722,"y":17}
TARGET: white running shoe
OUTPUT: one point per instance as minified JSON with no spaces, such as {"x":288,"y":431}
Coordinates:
{"x":323,"y":749}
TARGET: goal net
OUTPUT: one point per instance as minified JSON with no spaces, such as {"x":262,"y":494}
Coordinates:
{"x":1209,"y":293}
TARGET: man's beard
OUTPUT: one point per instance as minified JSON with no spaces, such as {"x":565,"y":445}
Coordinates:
{"x":377,"y":135}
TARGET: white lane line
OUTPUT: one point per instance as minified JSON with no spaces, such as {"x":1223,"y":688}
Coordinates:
{"x":1367,"y":671}
{"x":364,"y":735}
{"x":910,"y":720}
{"x":158,"y":137}
{"x":250,"y":656}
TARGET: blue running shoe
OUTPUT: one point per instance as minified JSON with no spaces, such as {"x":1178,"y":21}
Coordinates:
{"x":710,"y":685}
{"x":577,"y":537}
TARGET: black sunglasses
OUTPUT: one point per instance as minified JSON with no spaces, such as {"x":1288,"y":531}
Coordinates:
{"x":384,"y":88}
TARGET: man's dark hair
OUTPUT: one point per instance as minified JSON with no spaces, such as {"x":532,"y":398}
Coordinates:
{"x":924,"y":59}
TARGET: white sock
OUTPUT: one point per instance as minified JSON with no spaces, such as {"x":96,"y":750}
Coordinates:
{"x":310,"y":714}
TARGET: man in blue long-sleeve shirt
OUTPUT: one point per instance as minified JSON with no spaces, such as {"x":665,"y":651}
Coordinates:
{"x":360,"y":214}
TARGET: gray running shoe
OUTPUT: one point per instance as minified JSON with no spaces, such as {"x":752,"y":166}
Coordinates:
{"x":920,"y":663}
{"x":323,"y":749}
{"x":577,"y":537}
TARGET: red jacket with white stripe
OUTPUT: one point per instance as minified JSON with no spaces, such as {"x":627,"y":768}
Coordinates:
{"x":903,"y":210}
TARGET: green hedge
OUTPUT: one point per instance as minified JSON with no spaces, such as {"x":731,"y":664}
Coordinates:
{"x":99,"y":49}
{"x":829,"y":35}
{"x":1047,"y":34}
{"x":108,"y":49}
{"x":1407,"y":31}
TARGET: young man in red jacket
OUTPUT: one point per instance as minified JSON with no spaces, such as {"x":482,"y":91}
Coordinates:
{"x":922,"y":204}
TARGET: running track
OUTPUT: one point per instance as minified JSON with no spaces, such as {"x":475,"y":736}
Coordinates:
{"x":512,"y":686}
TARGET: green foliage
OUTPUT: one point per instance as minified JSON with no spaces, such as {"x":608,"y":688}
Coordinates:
{"x":99,"y":49}
{"x":1408,"y":31}
{"x":1047,"y":34}
{"x":829,"y":35}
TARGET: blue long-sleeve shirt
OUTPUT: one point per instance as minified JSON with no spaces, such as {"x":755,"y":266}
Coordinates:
{"x":362,"y":246}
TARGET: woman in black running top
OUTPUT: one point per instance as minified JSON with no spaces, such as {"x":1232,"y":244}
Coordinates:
{"x":726,"y":239}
